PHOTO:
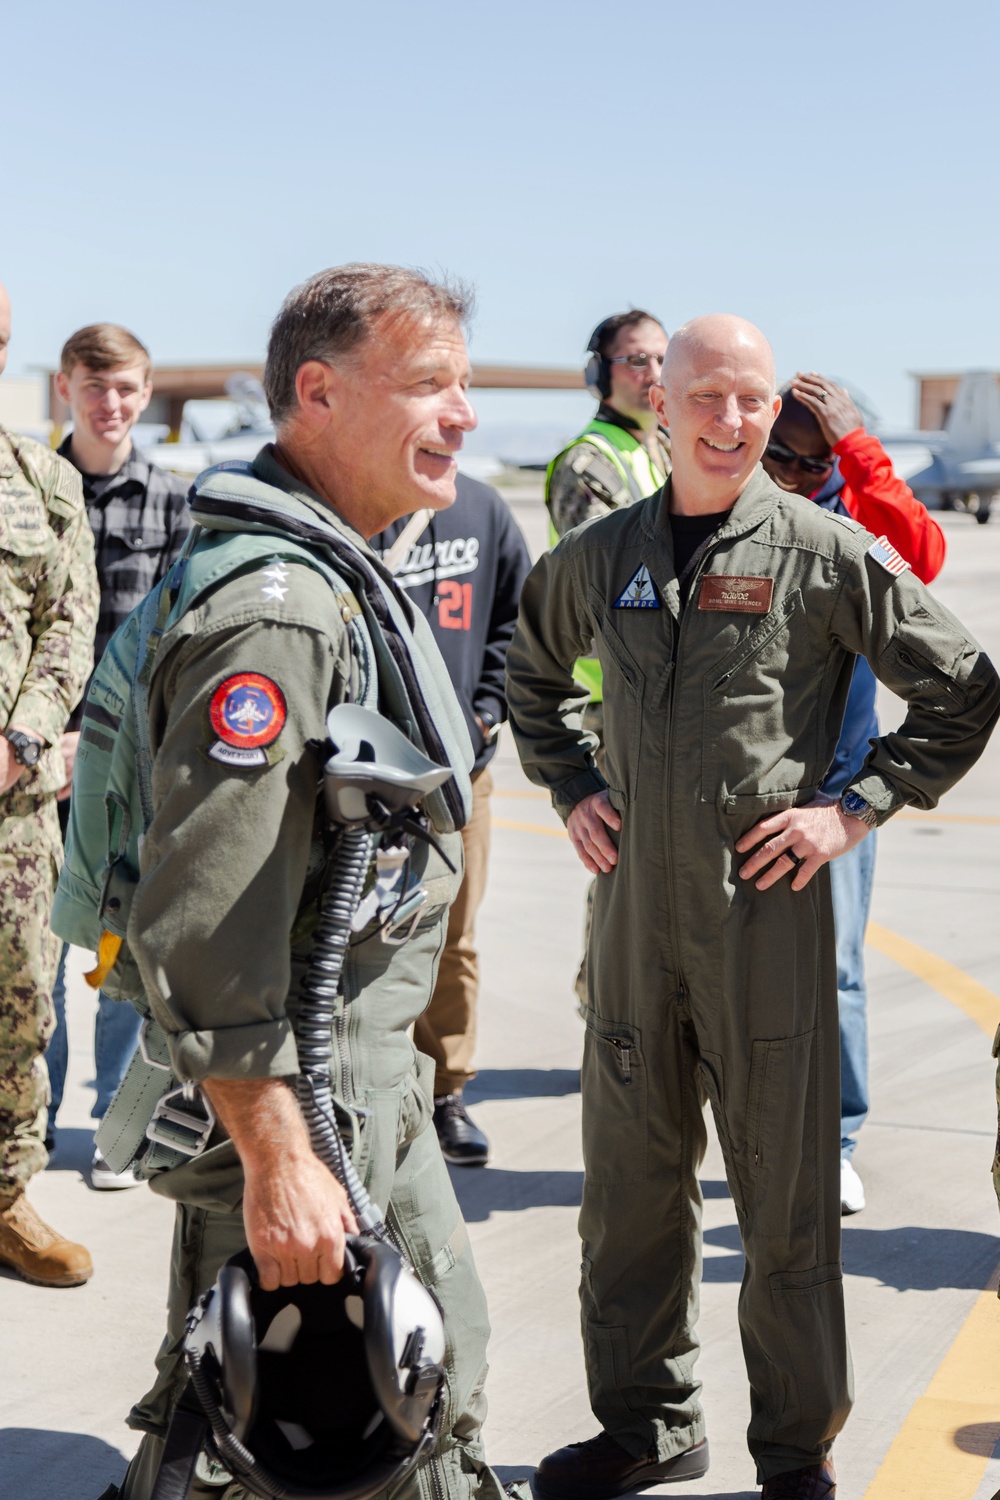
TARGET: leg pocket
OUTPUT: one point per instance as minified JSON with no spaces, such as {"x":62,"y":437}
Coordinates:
{"x":782,"y":1135}
{"x":614,"y":1086}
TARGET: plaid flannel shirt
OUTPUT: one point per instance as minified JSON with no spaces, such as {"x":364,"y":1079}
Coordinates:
{"x":139,"y":524}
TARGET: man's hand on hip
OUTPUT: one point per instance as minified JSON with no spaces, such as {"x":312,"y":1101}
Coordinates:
{"x":295,"y":1212}
{"x":587,"y":826}
{"x":800,"y":840}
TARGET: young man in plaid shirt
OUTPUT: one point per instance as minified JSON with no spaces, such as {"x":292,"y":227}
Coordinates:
{"x":140,"y":518}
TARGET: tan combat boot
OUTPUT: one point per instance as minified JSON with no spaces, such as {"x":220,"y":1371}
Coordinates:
{"x":35,"y":1251}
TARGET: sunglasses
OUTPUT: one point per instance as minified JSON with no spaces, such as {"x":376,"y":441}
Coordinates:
{"x":779,"y":454}
{"x":637,"y":361}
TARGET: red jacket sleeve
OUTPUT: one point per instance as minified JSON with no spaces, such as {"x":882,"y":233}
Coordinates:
{"x":886,"y":505}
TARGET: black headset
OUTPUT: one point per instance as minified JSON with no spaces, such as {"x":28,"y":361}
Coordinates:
{"x":597,"y":375}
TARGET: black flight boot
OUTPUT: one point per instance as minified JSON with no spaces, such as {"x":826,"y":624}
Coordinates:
{"x":600,"y":1469}
{"x":462,"y":1142}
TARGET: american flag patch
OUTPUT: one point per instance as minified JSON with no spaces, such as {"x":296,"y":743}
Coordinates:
{"x":885,"y":554}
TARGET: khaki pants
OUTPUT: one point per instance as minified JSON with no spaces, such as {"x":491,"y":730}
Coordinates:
{"x":446,"y":1031}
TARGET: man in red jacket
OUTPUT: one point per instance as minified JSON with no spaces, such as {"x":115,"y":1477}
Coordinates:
{"x":819,"y":449}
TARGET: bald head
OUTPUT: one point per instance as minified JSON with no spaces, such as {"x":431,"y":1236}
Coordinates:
{"x":4,"y":325}
{"x":718,"y":399}
{"x":706,"y":341}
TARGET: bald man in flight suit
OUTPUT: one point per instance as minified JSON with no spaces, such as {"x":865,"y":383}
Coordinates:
{"x":726,"y":615}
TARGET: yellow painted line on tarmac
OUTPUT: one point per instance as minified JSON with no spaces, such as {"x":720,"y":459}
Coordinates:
{"x":942,"y":1449}
{"x":936,"y":817}
{"x":552,"y":833}
{"x":979,"y":1003}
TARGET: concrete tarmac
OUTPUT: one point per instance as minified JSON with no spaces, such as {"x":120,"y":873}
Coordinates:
{"x":926,"y":1421}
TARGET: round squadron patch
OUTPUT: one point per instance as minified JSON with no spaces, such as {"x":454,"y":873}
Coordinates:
{"x":247,"y":712}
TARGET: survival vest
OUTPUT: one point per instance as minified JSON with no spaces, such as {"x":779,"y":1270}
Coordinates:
{"x":240,"y":522}
{"x":639,"y":475}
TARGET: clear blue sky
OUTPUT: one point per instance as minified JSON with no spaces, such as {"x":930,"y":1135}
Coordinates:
{"x":829,"y":171}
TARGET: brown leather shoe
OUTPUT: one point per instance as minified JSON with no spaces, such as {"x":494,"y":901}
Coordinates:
{"x":600,"y":1468}
{"x":36,"y":1252}
{"x":817,"y":1482}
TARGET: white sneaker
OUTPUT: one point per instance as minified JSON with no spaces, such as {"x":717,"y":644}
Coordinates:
{"x":106,"y":1179}
{"x":852,"y":1190}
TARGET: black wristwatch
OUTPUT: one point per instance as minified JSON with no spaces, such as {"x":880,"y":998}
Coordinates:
{"x":26,"y":748}
{"x":855,"y":806}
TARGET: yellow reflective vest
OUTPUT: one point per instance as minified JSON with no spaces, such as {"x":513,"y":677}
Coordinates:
{"x":639,"y":474}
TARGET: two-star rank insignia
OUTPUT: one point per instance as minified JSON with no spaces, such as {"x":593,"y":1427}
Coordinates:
{"x":638,"y":593}
{"x":247,"y":712}
{"x":277,"y":588}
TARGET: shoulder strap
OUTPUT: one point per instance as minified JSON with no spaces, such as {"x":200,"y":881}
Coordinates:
{"x":392,"y":628}
{"x":411,"y":532}
{"x":153,"y":618}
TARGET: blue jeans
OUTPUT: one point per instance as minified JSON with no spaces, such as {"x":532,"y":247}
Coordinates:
{"x":851,"y":877}
{"x":116,"y":1036}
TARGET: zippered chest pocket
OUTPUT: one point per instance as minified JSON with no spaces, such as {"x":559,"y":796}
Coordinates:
{"x":760,"y":720}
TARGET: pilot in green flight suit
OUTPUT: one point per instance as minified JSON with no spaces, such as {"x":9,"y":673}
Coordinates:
{"x":726,"y":615}
{"x":234,"y":859}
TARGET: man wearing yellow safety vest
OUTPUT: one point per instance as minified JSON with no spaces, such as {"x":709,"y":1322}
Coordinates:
{"x":621,"y":456}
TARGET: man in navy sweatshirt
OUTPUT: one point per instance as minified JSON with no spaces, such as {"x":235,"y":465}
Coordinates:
{"x":464,"y":569}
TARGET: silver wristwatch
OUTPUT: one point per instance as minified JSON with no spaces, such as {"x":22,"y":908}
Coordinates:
{"x":855,"y":806}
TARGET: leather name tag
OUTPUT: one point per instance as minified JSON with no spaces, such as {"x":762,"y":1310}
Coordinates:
{"x":744,"y":596}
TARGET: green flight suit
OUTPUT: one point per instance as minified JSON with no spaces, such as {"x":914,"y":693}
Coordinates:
{"x":719,"y":712}
{"x":232,"y":867}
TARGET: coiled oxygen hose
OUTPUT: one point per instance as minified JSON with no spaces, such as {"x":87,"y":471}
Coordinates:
{"x":317,"y":1012}
{"x":231,"y":1451}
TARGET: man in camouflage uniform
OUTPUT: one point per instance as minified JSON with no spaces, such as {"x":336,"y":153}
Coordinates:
{"x":622,"y":455}
{"x":48,"y":608}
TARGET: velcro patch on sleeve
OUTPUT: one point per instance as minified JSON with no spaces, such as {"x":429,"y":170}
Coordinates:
{"x":247,"y":713}
{"x":885,"y":554}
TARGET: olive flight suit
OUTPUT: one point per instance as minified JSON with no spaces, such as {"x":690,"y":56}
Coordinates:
{"x":719,"y":712}
{"x":232,"y":868}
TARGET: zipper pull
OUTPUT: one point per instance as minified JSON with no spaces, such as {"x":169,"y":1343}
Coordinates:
{"x":625,"y":1053}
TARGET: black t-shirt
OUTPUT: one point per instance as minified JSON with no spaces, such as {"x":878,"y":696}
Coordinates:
{"x":688,"y":533}
{"x":95,"y":485}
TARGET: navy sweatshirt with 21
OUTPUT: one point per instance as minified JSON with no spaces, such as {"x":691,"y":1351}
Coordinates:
{"x":465,"y":574}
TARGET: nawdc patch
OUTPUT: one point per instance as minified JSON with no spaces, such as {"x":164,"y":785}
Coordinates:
{"x":638,"y":593}
{"x":885,"y":554}
{"x":247,"y":712}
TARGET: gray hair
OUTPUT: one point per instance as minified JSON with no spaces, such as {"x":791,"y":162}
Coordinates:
{"x":334,"y":312}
